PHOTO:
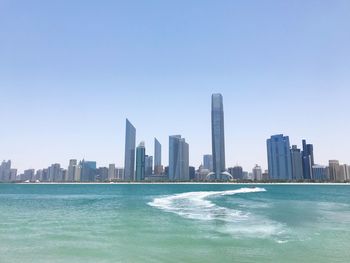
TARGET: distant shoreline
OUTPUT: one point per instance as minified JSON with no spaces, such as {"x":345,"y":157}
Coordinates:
{"x":175,"y":183}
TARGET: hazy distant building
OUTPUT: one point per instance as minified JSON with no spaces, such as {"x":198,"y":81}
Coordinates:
{"x":140,"y":162}
{"x":218,"y":139}
{"x":208,"y":162}
{"x":28,"y":175}
{"x":192,"y":173}
{"x":257,"y":173}
{"x":334,"y":170}
{"x":13,"y":175}
{"x":308,"y":160}
{"x":319,"y":172}
{"x":71,"y":170}
{"x":5,"y":171}
{"x":297,"y":163}
{"x":342,"y":173}
{"x":119,"y":173}
{"x":265,"y":175}
{"x":158,"y":168}
{"x":348,"y":172}
{"x":54,"y":173}
{"x":129,"y":157}
{"x":279,"y":159}
{"x":77,"y":173}
{"x":236,"y":172}
{"x":178,"y":159}
{"x":202,"y":173}
{"x":111,"y":172}
{"x":148,"y":165}
{"x":88,"y":171}
{"x":102,"y":174}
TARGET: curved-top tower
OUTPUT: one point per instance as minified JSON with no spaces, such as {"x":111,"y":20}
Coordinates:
{"x":218,"y":138}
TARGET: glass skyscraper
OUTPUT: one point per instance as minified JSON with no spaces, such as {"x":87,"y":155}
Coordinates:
{"x":308,"y":160}
{"x":178,"y":159}
{"x":129,"y":157}
{"x":140,"y":162}
{"x":297,"y":164}
{"x":218,"y":139}
{"x":157,"y":157}
{"x":279,"y":158}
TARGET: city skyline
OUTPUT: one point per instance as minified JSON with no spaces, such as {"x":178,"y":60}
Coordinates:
{"x":286,"y":162}
{"x":66,"y":92}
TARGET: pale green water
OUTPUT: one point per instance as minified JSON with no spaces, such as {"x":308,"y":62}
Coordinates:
{"x":174,"y":223}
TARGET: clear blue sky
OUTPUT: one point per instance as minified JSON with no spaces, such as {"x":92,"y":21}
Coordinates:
{"x":72,"y":71}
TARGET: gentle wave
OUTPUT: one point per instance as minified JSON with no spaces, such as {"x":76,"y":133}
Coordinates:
{"x":196,"y":205}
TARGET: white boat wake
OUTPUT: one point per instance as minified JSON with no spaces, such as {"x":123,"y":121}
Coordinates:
{"x":198,"y":206}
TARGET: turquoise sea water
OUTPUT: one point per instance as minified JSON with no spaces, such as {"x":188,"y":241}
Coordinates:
{"x":174,"y":223}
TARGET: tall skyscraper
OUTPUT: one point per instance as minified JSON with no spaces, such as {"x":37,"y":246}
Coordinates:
{"x":208,"y":162}
{"x":279,"y":159}
{"x":129,"y":157}
{"x":218,"y":139}
{"x":140,"y":162}
{"x":308,"y":159}
{"x":178,"y":159}
{"x":297,"y":163}
{"x":158,"y":169}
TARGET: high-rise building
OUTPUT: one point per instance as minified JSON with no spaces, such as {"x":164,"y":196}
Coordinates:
{"x":88,"y":171}
{"x":319,"y":172}
{"x":5,"y":171}
{"x":140,"y":162}
{"x":347,"y":172}
{"x":102,"y":174}
{"x":208,"y":162}
{"x":308,"y":160}
{"x":236,"y":172}
{"x":119,"y":173}
{"x":334,"y":170}
{"x":129,"y":158}
{"x":77,"y":173}
{"x":54,"y":173}
{"x":297,"y":163}
{"x":342,"y":173}
{"x":178,"y":159}
{"x":111,"y":172}
{"x":13,"y":175}
{"x":279,"y":159}
{"x":158,"y":168}
{"x":28,"y":175}
{"x":148,"y":165}
{"x":218,"y":139}
{"x":192,"y":173}
{"x":71,"y":170}
{"x":257,"y":173}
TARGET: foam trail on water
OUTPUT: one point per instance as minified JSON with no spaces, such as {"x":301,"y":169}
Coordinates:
{"x":197,"y":205}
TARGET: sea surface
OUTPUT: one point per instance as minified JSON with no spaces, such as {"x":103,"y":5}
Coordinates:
{"x":174,"y":223}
